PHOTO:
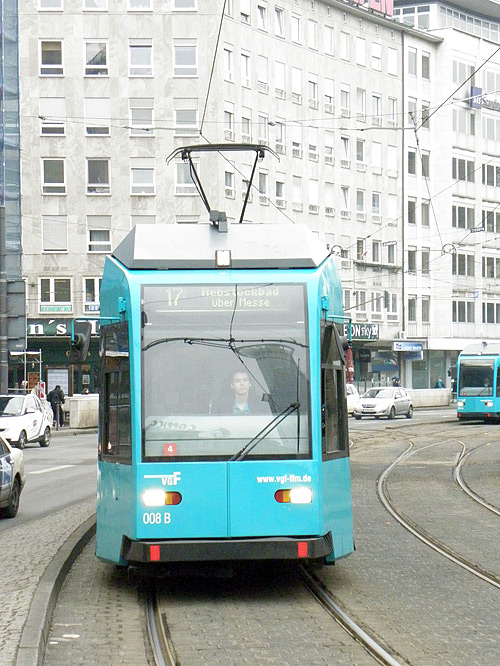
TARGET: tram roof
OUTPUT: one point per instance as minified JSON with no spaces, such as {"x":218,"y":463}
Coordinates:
{"x":194,"y":246}
{"x":485,"y":348}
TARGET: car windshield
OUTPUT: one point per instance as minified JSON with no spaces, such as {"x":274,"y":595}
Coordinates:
{"x":11,"y":405}
{"x":225,"y":372}
{"x":378,"y":393}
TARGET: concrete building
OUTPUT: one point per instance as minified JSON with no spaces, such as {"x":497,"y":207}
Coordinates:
{"x":342,"y":92}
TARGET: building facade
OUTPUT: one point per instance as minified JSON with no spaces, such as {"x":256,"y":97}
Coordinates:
{"x":344,"y":94}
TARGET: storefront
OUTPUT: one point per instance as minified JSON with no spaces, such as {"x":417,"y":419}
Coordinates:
{"x":51,"y":337}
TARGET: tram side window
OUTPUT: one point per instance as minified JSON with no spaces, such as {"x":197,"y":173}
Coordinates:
{"x":115,"y":414}
{"x":498,"y":382}
{"x":333,"y":401}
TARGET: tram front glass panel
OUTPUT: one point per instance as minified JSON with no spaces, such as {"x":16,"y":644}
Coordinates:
{"x":476,"y":377}
{"x":203,"y":346}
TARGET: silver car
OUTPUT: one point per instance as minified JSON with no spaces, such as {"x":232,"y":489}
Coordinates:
{"x":384,"y":401}
{"x":12,"y":478}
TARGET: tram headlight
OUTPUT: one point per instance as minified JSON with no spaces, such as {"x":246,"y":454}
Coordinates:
{"x":460,"y":403}
{"x":153,"y":497}
{"x":293,"y":496}
{"x":488,"y":403}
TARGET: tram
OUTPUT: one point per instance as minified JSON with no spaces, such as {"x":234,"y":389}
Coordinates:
{"x":478,"y":382}
{"x":222,"y":415}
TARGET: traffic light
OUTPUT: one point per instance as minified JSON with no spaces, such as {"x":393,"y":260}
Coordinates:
{"x":80,"y":342}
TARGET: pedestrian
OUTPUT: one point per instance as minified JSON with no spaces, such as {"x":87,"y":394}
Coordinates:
{"x":395,"y":381}
{"x":56,"y":399}
{"x":439,"y":383}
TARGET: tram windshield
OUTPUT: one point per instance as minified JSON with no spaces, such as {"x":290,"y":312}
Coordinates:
{"x":225,"y":372}
{"x":475,"y":377}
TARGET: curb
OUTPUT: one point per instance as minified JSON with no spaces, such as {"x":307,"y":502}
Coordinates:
{"x":31,"y":650}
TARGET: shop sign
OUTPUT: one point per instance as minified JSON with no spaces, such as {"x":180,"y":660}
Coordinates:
{"x":362,"y":331}
{"x":55,"y":328}
{"x":56,"y":308}
{"x":407,"y":346}
{"x":476,"y":97}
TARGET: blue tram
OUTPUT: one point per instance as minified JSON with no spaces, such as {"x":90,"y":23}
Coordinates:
{"x":478,"y":382}
{"x":223,"y":420}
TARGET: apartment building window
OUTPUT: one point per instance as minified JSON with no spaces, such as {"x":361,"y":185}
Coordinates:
{"x":279,"y":136}
{"x":46,"y":5}
{"x":279,"y":22}
{"x":263,"y":128}
{"x":426,"y":166}
{"x":142,"y":176}
{"x":376,"y":207}
{"x":141,"y":57}
{"x":229,"y":189}
{"x":245,"y":11}
{"x":360,"y":51}
{"x":412,"y":308}
{"x":91,"y":294}
{"x":345,"y":156}
{"x":330,"y":199}
{"x":312,"y":34}
{"x":360,"y":152}
{"x":296,"y":85}
{"x":96,"y":57}
{"x":412,"y":210}
{"x":55,"y":294}
{"x":229,"y":8}
{"x":412,"y":161}
{"x":462,"y":169}
{"x":462,"y":217}
{"x":262,"y":16}
{"x":464,"y":121}
{"x":140,"y":5}
{"x":377,"y":56}
{"x":185,"y":57}
{"x":425,"y":213}
{"x":296,"y":131}
{"x":376,"y":251}
{"x":280,"y":79}
{"x":426,"y":259}
{"x":52,"y":113}
{"x":53,"y":176}
{"x":376,"y":157}
{"x":51,"y":58}
{"x":280,"y":192}
{"x":98,"y":233}
{"x":345,"y":103}
{"x":462,"y":264}
{"x":377,"y":300}
{"x":426,"y":66}
{"x":360,"y":205}
{"x":412,"y":111}
{"x":425,"y":115}
{"x":391,"y":253}
{"x":491,"y":267}
{"x":329,"y":89}
{"x":228,"y":121}
{"x":246,"y":125}
{"x":97,"y":116}
{"x":54,"y":233}
{"x":392,"y":61}
{"x":313,"y":144}
{"x":463,"y":311}
{"x":186,"y":117}
{"x":262,"y":74}
{"x":361,"y":104}
{"x":426,"y":309}
{"x":412,"y":260}
{"x":313,"y":196}
{"x":392,"y":209}
{"x":361,"y":301}
{"x":312,"y":85}
{"x":344,"y":46}
{"x":491,"y":175}
{"x":185,"y":4}
{"x":360,"y":249}
{"x":412,"y":61}
{"x":376,"y":109}
{"x":491,"y":221}
{"x":263,"y":180}
{"x":98,"y":176}
{"x":95,"y":5}
{"x":228,"y":63}
{"x":392,"y":111}
{"x":329,"y":148}
{"x":184,"y":185}
{"x":345,"y":211}
{"x":328,"y":40}
{"x":141,"y":117}
{"x":297,"y":196}
{"x":491,"y":313}
{"x":296,"y":24}
{"x":245,"y":69}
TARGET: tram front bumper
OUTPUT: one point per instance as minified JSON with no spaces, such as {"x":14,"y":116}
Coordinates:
{"x":199,"y":550}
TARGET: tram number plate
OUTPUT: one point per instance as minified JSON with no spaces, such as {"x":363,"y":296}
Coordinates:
{"x":156,"y":518}
{"x":170,"y":448}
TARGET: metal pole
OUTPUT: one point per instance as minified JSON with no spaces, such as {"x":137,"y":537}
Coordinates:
{"x":4,"y":347}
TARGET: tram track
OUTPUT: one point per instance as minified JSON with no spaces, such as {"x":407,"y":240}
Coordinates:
{"x":422,"y":534}
{"x":457,"y":475}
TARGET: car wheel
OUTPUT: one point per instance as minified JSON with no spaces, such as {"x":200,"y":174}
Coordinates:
{"x":377,"y":417}
{"x":13,"y":505}
{"x":392,"y":413}
{"x":409,"y":413}
{"x":21,"y":442}
{"x":45,"y":441}
{"x":357,"y":417}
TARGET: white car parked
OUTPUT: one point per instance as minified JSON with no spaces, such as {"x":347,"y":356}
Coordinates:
{"x":12,"y":478}
{"x":23,"y":419}
{"x":352,"y":397}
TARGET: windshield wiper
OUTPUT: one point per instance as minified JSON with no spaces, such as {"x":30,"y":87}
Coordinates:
{"x":227,"y":343}
{"x":249,"y":446}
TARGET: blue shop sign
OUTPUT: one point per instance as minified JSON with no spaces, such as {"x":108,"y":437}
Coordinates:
{"x":407,"y":346}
